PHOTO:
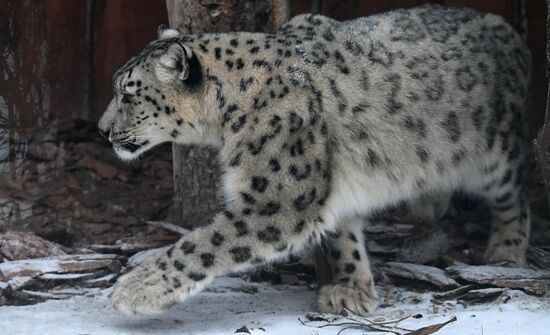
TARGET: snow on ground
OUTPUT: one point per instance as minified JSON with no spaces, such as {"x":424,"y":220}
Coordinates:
{"x":230,"y":303}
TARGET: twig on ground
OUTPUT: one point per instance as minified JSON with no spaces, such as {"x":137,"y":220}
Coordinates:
{"x":352,"y":321}
{"x":169,"y":227}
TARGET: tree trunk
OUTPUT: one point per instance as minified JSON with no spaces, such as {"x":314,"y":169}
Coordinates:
{"x":196,"y":170}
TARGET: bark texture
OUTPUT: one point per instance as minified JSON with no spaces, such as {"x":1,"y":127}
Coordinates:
{"x":202,"y":16}
{"x":196,"y":170}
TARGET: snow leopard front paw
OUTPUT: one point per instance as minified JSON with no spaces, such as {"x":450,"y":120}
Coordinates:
{"x":359,"y":298}
{"x":142,"y":291}
{"x":152,"y":288}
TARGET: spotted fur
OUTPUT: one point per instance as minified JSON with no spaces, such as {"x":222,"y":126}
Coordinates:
{"x":318,"y":125}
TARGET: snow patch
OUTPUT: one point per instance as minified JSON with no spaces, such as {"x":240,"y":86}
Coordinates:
{"x":229,"y":304}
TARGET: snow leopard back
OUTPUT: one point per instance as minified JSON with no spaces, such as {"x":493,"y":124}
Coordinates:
{"x":422,"y":98}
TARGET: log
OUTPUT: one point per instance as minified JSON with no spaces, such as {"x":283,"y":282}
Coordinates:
{"x":169,"y":227}
{"x":424,"y":273}
{"x":126,"y":248}
{"x":377,"y":248}
{"x":53,"y":295}
{"x":103,"y":281}
{"x":59,"y":264}
{"x":455,"y":293}
{"x":34,"y":280}
{"x":19,"y":282}
{"x":473,"y":294}
{"x":531,"y":281}
{"x":389,"y":229}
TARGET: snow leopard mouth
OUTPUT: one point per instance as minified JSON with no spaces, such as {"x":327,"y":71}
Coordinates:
{"x":132,"y":146}
{"x":129,"y":150}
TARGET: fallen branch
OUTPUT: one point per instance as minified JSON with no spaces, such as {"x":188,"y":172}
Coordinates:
{"x":424,"y":273}
{"x":454,"y":294}
{"x":59,"y":264}
{"x":169,"y":227}
{"x":389,"y":229}
{"x":34,"y":280}
{"x":532,"y":281}
{"x":348,"y":321}
{"x":126,"y":247}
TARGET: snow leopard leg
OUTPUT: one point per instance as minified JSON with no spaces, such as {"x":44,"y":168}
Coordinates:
{"x":353,"y":283}
{"x":511,"y":222}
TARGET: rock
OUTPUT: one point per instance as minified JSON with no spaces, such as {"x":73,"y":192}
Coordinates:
{"x":4,"y":194}
{"x":14,"y":211}
{"x":43,"y":151}
{"x":289,"y":278}
{"x":60,"y":202}
{"x":103,"y":169}
{"x":72,"y":183}
{"x":122,"y":177}
{"x":424,"y":247}
{"x":21,"y":245}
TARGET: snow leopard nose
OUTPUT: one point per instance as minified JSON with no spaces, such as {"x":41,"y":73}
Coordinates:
{"x":106,"y":122}
{"x":105,"y":133}
{"x":104,"y":129}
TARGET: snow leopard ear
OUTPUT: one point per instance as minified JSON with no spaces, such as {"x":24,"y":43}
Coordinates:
{"x":164,"y":32}
{"x":178,"y":64}
{"x":172,"y":64}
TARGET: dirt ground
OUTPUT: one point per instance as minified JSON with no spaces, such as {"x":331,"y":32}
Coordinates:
{"x":75,"y":192}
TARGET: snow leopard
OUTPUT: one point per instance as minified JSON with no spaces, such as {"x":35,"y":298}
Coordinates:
{"x":320,"y":124}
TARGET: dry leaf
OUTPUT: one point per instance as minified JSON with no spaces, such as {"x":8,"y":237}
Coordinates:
{"x":432,"y":328}
{"x":243,"y":329}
